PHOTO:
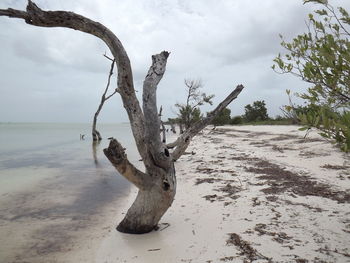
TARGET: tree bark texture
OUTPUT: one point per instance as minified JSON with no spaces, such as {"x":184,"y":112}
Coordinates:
{"x":162,"y":124}
{"x":157,"y":185}
{"x":157,"y":190}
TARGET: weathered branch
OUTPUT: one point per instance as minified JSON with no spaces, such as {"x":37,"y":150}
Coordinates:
{"x":95,"y":133}
{"x":13,"y":13}
{"x":183,"y":141}
{"x":37,"y":17}
{"x":174,"y":144}
{"x":107,"y":57}
{"x":152,"y":122}
{"x":117,"y":156}
{"x":111,"y":95}
{"x":197,"y":127}
{"x":181,"y":146}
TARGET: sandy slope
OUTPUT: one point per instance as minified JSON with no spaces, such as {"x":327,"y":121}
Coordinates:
{"x":249,"y":194}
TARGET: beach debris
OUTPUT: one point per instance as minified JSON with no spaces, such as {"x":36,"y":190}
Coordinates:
{"x":245,"y":248}
{"x":153,"y":249}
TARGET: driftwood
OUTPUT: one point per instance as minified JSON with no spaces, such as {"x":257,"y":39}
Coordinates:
{"x":157,"y":184}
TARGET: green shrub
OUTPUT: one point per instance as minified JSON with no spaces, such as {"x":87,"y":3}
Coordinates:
{"x":321,"y":57}
{"x":256,"y":112}
{"x":237,"y":120}
{"x":224,"y":117}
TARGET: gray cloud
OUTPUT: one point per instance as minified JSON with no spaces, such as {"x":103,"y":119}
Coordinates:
{"x":59,"y":74}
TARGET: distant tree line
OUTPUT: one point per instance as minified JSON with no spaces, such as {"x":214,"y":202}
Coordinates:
{"x":255,"y":113}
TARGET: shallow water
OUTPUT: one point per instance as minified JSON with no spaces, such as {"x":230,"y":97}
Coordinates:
{"x":52,"y":185}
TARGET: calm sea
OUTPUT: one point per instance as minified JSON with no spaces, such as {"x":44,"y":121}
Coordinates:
{"x":51,"y":180}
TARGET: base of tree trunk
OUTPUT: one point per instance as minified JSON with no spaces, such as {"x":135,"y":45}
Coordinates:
{"x":146,"y":211}
{"x":126,"y":227}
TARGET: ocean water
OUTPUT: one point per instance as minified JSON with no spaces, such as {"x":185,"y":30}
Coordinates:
{"x":17,"y":137}
{"x":56,"y":147}
{"x":53,"y":183}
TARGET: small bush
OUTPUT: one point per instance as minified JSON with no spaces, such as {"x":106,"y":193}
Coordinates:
{"x":256,"y":112}
{"x":237,"y":120}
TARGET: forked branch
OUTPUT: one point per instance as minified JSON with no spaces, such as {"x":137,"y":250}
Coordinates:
{"x":117,"y":156}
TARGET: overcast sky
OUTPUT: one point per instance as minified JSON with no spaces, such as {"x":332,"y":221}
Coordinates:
{"x":58,"y":75}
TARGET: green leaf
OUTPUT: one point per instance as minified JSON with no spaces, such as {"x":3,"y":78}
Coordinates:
{"x":304,"y":128}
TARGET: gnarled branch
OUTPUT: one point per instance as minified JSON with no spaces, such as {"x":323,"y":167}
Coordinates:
{"x":152,"y":123}
{"x":183,"y":141}
{"x":117,"y":156}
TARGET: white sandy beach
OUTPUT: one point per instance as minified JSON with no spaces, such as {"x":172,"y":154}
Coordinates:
{"x":248,"y":194}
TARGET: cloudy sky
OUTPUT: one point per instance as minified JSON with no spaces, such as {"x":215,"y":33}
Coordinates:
{"x":58,"y":75}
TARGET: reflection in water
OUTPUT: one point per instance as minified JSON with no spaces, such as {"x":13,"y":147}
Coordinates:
{"x":95,"y":148}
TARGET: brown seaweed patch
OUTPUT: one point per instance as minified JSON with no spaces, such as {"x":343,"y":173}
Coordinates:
{"x":243,"y":157}
{"x":207,"y":170}
{"x":206,"y":180}
{"x":271,"y":198}
{"x":260,"y":144}
{"x":281,"y":180}
{"x":213,"y":198}
{"x":245,"y":248}
{"x":284,"y":137}
{"x":309,"y":154}
{"x":279,"y":237}
{"x":227,"y":259}
{"x":230,"y":191}
{"x":335,"y":167}
{"x":315,"y":209}
{"x":281,"y":149}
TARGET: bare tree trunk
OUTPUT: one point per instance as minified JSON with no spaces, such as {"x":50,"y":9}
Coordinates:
{"x":157,"y":185}
{"x":96,"y":136}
